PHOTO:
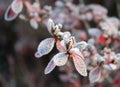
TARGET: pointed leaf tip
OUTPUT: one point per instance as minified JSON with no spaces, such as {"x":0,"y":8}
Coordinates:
{"x":50,"y":25}
{"x":51,"y":65}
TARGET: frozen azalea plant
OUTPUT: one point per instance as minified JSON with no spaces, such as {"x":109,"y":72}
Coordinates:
{"x":98,"y":54}
{"x":67,"y":47}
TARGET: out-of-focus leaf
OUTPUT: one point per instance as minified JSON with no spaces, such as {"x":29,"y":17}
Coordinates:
{"x":64,"y":78}
{"x":10,"y":14}
{"x":110,"y":66}
{"x":98,"y":58}
{"x":95,"y":74}
{"x":17,"y":6}
{"x":94,"y":32}
{"x":34,"y":23}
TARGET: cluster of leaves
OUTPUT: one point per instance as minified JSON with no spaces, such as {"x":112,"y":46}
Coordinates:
{"x":85,"y":55}
{"x":67,"y":46}
{"x":34,"y":14}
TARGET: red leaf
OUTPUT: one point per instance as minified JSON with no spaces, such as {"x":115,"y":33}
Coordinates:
{"x":101,"y":39}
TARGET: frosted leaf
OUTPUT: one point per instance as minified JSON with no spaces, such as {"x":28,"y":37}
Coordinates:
{"x":28,"y":6}
{"x":17,"y":6}
{"x":66,"y":36}
{"x":74,"y":50}
{"x":95,"y":75}
{"x":117,"y":57}
{"x":59,"y":4}
{"x":61,"y":45}
{"x":50,"y":26}
{"x":51,"y":65}
{"x":80,"y":65}
{"x":98,"y":58}
{"x":110,"y":67}
{"x":45,"y":47}
{"x":107,"y":67}
{"x":94,"y":32}
{"x":36,"y":5}
{"x":22,"y":17}
{"x":81,"y":45}
{"x":91,"y":41}
{"x":60,"y":59}
{"x":89,"y":16}
{"x":10,"y":14}
{"x":48,"y":8}
{"x":115,"y":21}
{"x":34,"y":23}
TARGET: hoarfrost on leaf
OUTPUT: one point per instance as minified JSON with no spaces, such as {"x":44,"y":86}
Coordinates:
{"x":60,"y":59}
{"x":80,"y":65}
{"x":45,"y":47}
{"x":110,"y":67}
{"x":66,"y":36}
{"x":81,"y":45}
{"x":50,"y":26}
{"x":51,"y":65}
{"x":61,"y":45}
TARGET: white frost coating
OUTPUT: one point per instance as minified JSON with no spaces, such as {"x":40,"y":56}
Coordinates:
{"x":73,"y":50}
{"x":45,"y":47}
{"x":17,"y":6}
{"x":60,"y":59}
{"x":110,"y":67}
{"x":60,"y":26}
{"x":99,"y":58}
{"x":81,"y":45}
{"x":66,"y":36}
{"x":34,"y":24}
{"x":95,"y":74}
{"x":50,"y":25}
{"x":51,"y":65}
{"x":80,"y":65}
{"x":113,"y":66}
{"x":61,"y":46}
